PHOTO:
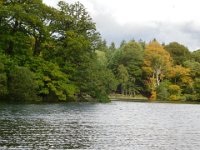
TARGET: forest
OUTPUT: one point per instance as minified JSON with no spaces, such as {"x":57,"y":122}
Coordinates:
{"x":52,"y":54}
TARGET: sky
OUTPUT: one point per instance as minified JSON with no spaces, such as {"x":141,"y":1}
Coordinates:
{"x":165,"y":20}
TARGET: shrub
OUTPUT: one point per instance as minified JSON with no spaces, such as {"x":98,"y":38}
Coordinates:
{"x":21,"y":85}
{"x":162,"y":91}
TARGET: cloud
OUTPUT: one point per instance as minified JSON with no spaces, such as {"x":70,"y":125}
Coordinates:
{"x":166,"y":20}
{"x":185,"y":33}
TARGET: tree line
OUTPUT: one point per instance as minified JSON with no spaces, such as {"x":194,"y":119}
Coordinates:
{"x":157,"y":71}
{"x":56,"y":54}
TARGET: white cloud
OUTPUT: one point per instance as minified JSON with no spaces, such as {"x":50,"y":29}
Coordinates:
{"x":166,"y":20}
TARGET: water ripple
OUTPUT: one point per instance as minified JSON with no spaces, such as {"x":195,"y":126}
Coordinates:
{"x":118,"y":125}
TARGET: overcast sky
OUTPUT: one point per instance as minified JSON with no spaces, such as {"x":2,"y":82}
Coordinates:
{"x":165,"y":20}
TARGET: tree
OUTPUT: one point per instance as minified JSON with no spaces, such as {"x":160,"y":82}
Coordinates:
{"x":112,"y":47}
{"x":74,"y":17}
{"x":102,"y":46}
{"x":131,"y":57}
{"x":196,"y":55}
{"x":175,"y":92}
{"x":193,"y":92}
{"x":24,"y":26}
{"x":197,"y":88}
{"x":157,"y":62}
{"x":21,"y":85}
{"x":162,"y":91}
{"x":61,"y":55}
{"x":101,"y":82}
{"x":180,"y":75}
{"x":3,"y":81}
{"x":178,"y":52}
{"x":123,"y":77}
{"x":53,"y":84}
{"x":75,"y":44}
{"x":194,"y":67}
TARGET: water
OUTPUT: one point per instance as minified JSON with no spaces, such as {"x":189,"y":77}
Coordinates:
{"x":117,"y":125}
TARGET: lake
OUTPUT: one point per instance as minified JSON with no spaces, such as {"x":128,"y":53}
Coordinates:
{"x":115,"y":125}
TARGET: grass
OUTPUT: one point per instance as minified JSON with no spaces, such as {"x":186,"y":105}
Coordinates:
{"x":140,"y":98}
{"x":115,"y":97}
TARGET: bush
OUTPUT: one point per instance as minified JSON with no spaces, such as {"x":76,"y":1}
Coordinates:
{"x":197,"y":87}
{"x":21,"y":85}
{"x":176,"y":98}
{"x":174,"y":89}
{"x":191,"y":97}
{"x":3,"y":82}
{"x":162,"y":91}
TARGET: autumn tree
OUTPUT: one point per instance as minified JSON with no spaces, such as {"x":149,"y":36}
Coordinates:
{"x":157,"y":62}
{"x":180,"y":75}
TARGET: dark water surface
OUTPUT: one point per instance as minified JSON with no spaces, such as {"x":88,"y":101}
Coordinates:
{"x":117,"y":125}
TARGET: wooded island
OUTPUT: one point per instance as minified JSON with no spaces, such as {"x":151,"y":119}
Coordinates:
{"x":56,"y":54}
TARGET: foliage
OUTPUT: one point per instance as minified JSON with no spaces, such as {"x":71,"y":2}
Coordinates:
{"x":196,"y":55}
{"x":51,"y":81}
{"x":197,"y":88}
{"x":21,"y":85}
{"x":180,"y":75}
{"x":126,"y":65}
{"x":103,"y":82}
{"x":53,"y":47}
{"x":56,"y":54}
{"x":194,"y":67}
{"x":157,"y":63}
{"x":163,"y":91}
{"x":122,"y":77}
{"x":3,"y":81}
{"x":178,"y":52}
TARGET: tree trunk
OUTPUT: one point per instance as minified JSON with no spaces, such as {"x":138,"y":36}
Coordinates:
{"x":157,"y":79}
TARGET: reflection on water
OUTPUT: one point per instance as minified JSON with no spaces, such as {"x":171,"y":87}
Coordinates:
{"x":118,"y":125}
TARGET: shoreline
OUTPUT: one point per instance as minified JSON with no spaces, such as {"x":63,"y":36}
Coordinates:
{"x":148,"y":101}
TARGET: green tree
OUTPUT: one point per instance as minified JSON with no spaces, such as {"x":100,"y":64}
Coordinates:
{"x":163,"y":91}
{"x":112,"y":47}
{"x":21,"y":85}
{"x":178,"y":52}
{"x":192,"y":93}
{"x":130,"y":55}
{"x":123,"y":42}
{"x":101,"y":83}
{"x":197,"y":88}
{"x":3,"y":81}
{"x":53,"y":84}
{"x":123,"y":78}
{"x":23,"y":26}
{"x":132,"y":59}
{"x":196,"y":55}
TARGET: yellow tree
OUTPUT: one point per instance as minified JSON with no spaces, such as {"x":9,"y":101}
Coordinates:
{"x":157,"y":62}
{"x":180,"y":75}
